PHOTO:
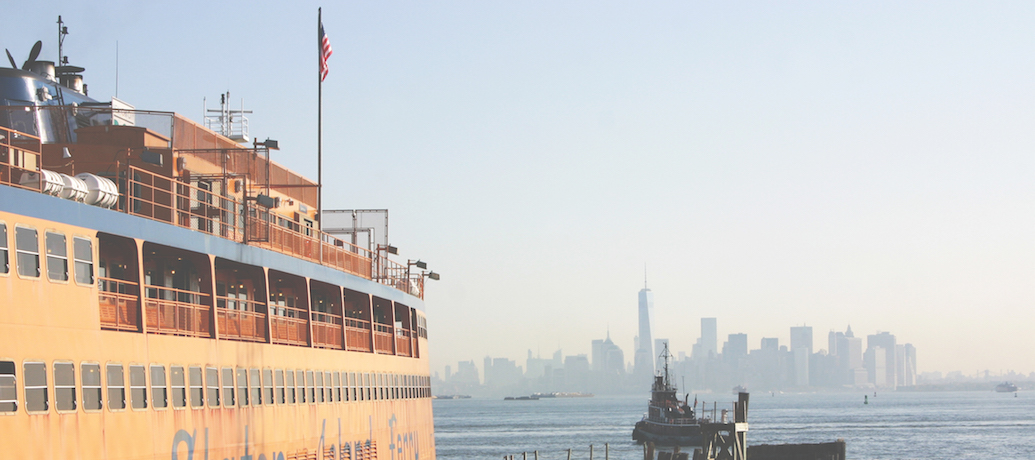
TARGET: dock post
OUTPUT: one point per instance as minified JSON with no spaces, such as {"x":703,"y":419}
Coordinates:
{"x":536,"y":454}
{"x":591,"y":452}
{"x":524,"y":456}
{"x":607,"y":452}
{"x":569,"y":454}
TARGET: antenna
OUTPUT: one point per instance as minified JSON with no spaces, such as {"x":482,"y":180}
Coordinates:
{"x":62,"y":31}
{"x":645,"y":275}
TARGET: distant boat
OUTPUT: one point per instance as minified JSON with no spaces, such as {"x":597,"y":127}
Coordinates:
{"x":521,"y":398}
{"x":1006,"y":387}
{"x":562,"y":394}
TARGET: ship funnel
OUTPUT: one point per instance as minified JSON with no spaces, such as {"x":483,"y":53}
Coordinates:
{"x":42,"y":68}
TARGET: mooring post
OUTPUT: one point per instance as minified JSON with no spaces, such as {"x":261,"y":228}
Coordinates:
{"x":524,"y":456}
{"x":591,"y":452}
{"x":536,"y":454}
{"x":569,"y":454}
{"x":607,"y":452}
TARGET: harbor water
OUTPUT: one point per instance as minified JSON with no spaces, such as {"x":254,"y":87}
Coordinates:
{"x":893,"y":425}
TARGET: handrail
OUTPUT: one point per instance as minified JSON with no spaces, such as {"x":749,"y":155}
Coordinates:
{"x":247,"y":323}
{"x":118,"y":304}
{"x":187,"y":313}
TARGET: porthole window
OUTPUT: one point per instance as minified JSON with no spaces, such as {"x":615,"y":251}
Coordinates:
{"x":8,"y":387}
{"x":91,"y":375}
{"x":82,"y":251}
{"x":197,"y":390}
{"x":64,"y":386}
{"x":159,"y":392}
{"x":27,"y":246}
{"x":57,"y":256}
{"x":36,"y":398}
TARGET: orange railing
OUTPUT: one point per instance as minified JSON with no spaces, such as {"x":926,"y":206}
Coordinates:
{"x":357,"y":334}
{"x":242,"y":320}
{"x":178,"y":312}
{"x":288,"y":325}
{"x":327,"y":334}
{"x":120,"y":304}
{"x":382,"y":338}
{"x":402,"y":342}
{"x":160,"y":198}
{"x":19,"y":155}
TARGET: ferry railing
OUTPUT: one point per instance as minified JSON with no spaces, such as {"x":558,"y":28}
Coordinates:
{"x":161,"y":198}
{"x":240,"y":319}
{"x":402,"y":342}
{"x":177,"y":311}
{"x":357,"y":334}
{"x":327,"y":330}
{"x":289,"y":325}
{"x":382,"y":338}
{"x":119,"y":301}
{"x":20,"y":155}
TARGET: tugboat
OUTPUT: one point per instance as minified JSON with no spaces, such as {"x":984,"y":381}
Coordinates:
{"x":669,"y":421}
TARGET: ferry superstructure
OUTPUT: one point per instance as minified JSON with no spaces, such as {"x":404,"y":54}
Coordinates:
{"x":165,"y":293}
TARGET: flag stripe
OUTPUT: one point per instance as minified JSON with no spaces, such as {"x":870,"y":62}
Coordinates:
{"x":325,"y":53}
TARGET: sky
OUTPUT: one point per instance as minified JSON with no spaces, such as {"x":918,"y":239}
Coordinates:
{"x":770,"y":164}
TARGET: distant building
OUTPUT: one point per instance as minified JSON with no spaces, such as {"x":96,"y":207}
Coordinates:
{"x":709,"y":337}
{"x":608,"y":358}
{"x":801,"y":337}
{"x":736,"y":347}
{"x":770,"y":344}
{"x":643,"y":359}
{"x":884,"y":369}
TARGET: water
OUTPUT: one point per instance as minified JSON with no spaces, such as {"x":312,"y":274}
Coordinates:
{"x":902,"y":425}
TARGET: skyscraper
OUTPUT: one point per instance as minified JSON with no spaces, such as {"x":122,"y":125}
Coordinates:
{"x":709,"y":337}
{"x":644,"y":357}
{"x":801,"y":337}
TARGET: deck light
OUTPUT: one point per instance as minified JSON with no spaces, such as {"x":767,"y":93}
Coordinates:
{"x":420,"y":264}
{"x":433,"y":275}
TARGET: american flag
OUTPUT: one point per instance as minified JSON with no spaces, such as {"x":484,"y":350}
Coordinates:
{"x":325,"y":53}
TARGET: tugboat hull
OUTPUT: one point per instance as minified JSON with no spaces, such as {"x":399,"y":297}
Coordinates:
{"x":662,"y":435}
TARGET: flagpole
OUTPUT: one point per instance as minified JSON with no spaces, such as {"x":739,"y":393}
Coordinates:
{"x":319,"y":124}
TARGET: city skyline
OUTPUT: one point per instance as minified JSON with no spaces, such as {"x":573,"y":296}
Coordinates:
{"x":801,"y":164}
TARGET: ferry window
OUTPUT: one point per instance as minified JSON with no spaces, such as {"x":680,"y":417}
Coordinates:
{"x":256,"y":395}
{"x":346,"y":387}
{"x":352,"y":386}
{"x":279,"y":386}
{"x":64,"y":386}
{"x":178,"y":387}
{"x":366,"y":386}
{"x":267,"y":386}
{"x":5,"y":265}
{"x":8,"y":387}
{"x":28,"y":248}
{"x":91,"y":375}
{"x":212,"y":386}
{"x":159,"y":398}
{"x":301,"y":386}
{"x":310,"y":390}
{"x":242,"y":387}
{"x":228,"y":387}
{"x":337,"y":386}
{"x":57,"y":257}
{"x":289,"y":385}
{"x":319,"y":387}
{"x":116,"y":387}
{"x":329,"y":388}
{"x":138,"y":387}
{"x":197,"y":390}
{"x":36,"y":399}
{"x":82,"y":251}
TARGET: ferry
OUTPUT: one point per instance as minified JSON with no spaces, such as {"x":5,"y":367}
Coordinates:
{"x":166,"y":292}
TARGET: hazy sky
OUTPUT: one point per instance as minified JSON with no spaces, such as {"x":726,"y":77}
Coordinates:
{"x":771,"y":163}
